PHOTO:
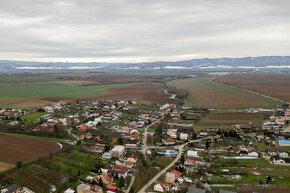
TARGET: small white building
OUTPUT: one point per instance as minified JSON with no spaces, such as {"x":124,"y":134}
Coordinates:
{"x":183,"y":136}
{"x":117,"y":151}
{"x":158,"y":187}
{"x":191,"y":153}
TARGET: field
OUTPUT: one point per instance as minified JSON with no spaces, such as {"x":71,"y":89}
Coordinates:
{"x":273,"y":85}
{"x":33,"y":116}
{"x":24,"y":91}
{"x":13,"y":149}
{"x":229,"y":119}
{"x":143,"y":93}
{"x":206,"y":93}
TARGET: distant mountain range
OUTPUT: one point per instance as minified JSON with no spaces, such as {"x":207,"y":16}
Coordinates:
{"x":205,"y":64}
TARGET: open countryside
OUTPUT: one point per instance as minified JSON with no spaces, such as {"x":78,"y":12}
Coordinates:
{"x":273,"y":85}
{"x":204,"y":92}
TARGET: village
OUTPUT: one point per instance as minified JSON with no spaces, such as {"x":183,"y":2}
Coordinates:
{"x":124,"y":146}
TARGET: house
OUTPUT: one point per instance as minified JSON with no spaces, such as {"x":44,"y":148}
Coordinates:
{"x":195,"y":190}
{"x":272,"y":152}
{"x":170,"y":177}
{"x":83,"y":127}
{"x":97,"y":189}
{"x":260,"y":135}
{"x":277,"y":160}
{"x":169,"y":141}
{"x":106,"y":178}
{"x":120,"y":170}
{"x":117,"y":151}
{"x":243,"y":153}
{"x":82,"y":188}
{"x":107,"y":155}
{"x":172,"y":133}
{"x":253,"y":153}
{"x":282,"y":153}
{"x":111,"y":188}
{"x":193,"y":161}
{"x":69,"y":190}
{"x":11,"y":189}
{"x":280,"y":121}
{"x":192,"y":153}
{"x":132,"y":158}
{"x":183,"y":136}
{"x":284,"y":142}
{"x":176,"y":173}
{"x":158,"y":187}
{"x":87,"y":135}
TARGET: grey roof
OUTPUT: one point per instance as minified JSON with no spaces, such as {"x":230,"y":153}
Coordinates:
{"x":195,"y":190}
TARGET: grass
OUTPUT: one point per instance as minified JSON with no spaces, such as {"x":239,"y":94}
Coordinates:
{"x":206,"y":93}
{"x":32,"y":117}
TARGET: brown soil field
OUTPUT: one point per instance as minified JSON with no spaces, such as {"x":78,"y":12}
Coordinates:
{"x":23,"y":102}
{"x":143,"y":93}
{"x":5,"y":166}
{"x":13,"y":149}
{"x":273,"y":85}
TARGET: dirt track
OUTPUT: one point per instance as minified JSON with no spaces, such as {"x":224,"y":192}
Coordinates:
{"x":13,"y":149}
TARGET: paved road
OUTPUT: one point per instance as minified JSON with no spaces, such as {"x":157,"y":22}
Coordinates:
{"x":76,"y":137}
{"x":145,"y":147}
{"x":180,"y":148}
{"x":131,"y":184}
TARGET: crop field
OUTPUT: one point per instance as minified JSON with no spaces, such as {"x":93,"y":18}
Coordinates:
{"x":203,"y":92}
{"x":273,"y":85}
{"x":143,"y":93}
{"x":24,"y":91}
{"x":13,"y":149}
{"x":229,"y":119}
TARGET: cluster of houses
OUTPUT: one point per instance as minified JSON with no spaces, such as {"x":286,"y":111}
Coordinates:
{"x":10,"y":112}
{"x":173,"y":181}
{"x":121,"y":168}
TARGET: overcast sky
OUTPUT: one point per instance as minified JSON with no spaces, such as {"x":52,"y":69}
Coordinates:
{"x":142,"y":30}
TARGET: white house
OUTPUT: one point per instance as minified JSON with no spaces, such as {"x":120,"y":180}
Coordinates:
{"x":282,"y":153}
{"x":158,"y":187}
{"x":183,"y":136}
{"x":117,"y":151}
{"x":192,"y":153}
{"x":253,"y":153}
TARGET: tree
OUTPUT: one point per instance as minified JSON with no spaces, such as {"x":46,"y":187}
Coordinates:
{"x":132,"y":190}
{"x":101,"y":182}
{"x":269,"y":178}
{"x":120,"y":141}
{"x":18,"y":164}
{"x":121,"y":182}
{"x":182,"y":159}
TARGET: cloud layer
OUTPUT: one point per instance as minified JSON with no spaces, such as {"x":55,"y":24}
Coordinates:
{"x":142,"y":30}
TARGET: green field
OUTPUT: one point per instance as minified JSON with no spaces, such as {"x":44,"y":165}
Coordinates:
{"x":204,"y":92}
{"x":33,"y":116}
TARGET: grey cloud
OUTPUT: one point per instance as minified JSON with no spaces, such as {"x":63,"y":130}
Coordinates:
{"x":138,"y":30}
